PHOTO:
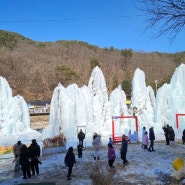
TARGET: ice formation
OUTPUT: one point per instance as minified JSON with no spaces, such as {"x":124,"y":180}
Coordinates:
{"x":170,"y":100}
{"x":14,"y":116}
{"x":91,"y":108}
{"x":73,"y":108}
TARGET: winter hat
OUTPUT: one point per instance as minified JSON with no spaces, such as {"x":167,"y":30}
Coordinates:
{"x":33,"y":140}
{"x":71,"y":148}
{"x":109,"y":145}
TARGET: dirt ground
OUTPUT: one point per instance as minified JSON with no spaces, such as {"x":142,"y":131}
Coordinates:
{"x":144,"y":167}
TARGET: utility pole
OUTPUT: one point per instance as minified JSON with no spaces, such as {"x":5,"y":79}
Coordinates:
{"x":156,"y":82}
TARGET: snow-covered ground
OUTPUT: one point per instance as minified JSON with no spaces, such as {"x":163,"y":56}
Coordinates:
{"x":144,"y":168}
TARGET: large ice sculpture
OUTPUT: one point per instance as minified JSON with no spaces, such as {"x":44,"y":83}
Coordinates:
{"x":143,"y":99}
{"x":170,"y":100}
{"x":87,"y":107}
{"x":100,"y":105}
{"x":90,"y":108}
{"x":118,"y":107}
{"x":71,"y":108}
{"x":14,"y":116}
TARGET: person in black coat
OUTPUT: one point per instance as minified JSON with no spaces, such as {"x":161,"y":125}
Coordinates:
{"x":81,"y":137}
{"x":171,"y":135}
{"x":80,"y":148}
{"x":152,"y":138}
{"x":69,"y":161}
{"x":24,"y":162}
{"x":166,"y":133}
{"x":123,"y":150}
{"x":183,"y":137}
{"x":34,"y":149}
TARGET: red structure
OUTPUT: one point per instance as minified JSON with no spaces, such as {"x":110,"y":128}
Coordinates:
{"x":117,"y":139}
{"x":177,"y":119}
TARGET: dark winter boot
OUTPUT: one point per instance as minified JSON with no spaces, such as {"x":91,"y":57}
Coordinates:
{"x":94,"y":158}
{"x":98,"y":157}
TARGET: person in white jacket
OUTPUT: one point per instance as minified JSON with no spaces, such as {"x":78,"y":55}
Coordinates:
{"x":96,"y":144}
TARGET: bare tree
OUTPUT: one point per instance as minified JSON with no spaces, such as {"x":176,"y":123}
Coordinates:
{"x":167,"y":16}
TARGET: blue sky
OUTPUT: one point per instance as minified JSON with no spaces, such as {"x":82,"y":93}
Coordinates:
{"x":104,"y":23}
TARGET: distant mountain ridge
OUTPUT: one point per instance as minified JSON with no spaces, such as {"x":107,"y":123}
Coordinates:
{"x":33,"y":69}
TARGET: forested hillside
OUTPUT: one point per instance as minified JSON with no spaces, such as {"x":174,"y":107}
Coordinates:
{"x":33,"y":69}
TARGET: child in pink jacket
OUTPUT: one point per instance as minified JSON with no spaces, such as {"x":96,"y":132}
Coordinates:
{"x":145,"y":141}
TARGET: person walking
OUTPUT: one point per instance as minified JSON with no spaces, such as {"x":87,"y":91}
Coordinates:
{"x":183,"y":137}
{"x":145,"y":141}
{"x":143,"y":134}
{"x":17,"y":152}
{"x":123,"y":150}
{"x":81,"y":137}
{"x":152,"y":138}
{"x":80,"y":148}
{"x":34,"y":150}
{"x":96,"y":144}
{"x":171,"y":135}
{"x":110,"y":141}
{"x":24,"y":162}
{"x":69,"y":161}
{"x":166,"y":133}
{"x":95,"y":135}
{"x":111,"y":155}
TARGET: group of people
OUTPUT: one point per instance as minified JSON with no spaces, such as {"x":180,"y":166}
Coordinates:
{"x":169,"y":137}
{"x":70,"y":159}
{"x":96,"y":144}
{"x":169,"y":134}
{"x":146,"y":138}
{"x":27,"y":158}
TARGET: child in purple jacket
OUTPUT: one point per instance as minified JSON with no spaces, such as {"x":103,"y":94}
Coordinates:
{"x":111,"y":155}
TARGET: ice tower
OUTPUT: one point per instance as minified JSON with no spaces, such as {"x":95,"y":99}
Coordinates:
{"x":170,"y":101}
{"x":86,"y":108}
{"x":14,"y":116}
{"x":143,"y":99}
